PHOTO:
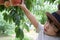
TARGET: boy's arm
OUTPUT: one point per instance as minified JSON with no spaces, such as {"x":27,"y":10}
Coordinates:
{"x":30,"y":16}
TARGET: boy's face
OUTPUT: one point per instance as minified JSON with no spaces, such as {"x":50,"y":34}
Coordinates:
{"x":50,"y":29}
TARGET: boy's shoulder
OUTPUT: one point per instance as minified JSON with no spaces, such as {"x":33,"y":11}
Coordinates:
{"x":40,"y":27}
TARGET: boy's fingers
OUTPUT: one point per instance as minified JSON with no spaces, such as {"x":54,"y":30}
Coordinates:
{"x":22,"y":1}
{"x":18,"y":5}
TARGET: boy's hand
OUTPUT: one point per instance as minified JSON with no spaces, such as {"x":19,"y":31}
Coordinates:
{"x":22,"y":5}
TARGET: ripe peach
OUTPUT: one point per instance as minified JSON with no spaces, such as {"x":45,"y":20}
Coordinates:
{"x":15,"y":2}
{"x":1,"y":2}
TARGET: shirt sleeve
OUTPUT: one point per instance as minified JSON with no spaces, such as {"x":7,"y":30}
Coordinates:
{"x":39,"y":28}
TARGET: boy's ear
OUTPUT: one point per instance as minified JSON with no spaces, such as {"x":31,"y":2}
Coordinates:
{"x":58,"y":12}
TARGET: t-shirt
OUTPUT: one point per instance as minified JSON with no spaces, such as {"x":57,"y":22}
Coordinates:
{"x":43,"y":36}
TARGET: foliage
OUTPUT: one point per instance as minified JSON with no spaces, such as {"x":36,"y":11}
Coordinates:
{"x":15,"y":14}
{"x":19,"y":32}
{"x":51,"y":1}
{"x":2,"y":7}
{"x":39,"y":10}
{"x":5,"y":27}
{"x":26,"y":37}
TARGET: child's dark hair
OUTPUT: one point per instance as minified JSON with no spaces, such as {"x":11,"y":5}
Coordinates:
{"x":58,"y":6}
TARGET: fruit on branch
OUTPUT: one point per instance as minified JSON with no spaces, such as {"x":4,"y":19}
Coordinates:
{"x":1,"y":2}
{"x":15,"y":2}
{"x":7,"y":4}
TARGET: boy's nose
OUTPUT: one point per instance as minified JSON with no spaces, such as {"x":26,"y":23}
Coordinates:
{"x":47,"y":27}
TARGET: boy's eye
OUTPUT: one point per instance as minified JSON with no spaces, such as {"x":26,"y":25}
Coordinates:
{"x":55,"y":26}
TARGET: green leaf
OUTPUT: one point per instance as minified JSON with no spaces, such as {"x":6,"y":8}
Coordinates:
{"x":2,"y":7}
{"x":59,"y":1}
{"x":5,"y":16}
{"x":10,"y":19}
{"x":51,"y":1}
{"x":40,"y":2}
{"x":26,"y":27}
{"x":19,"y":33}
{"x":29,"y":3}
{"x":15,"y":17}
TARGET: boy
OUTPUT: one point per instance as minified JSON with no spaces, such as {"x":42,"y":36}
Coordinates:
{"x":51,"y":29}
